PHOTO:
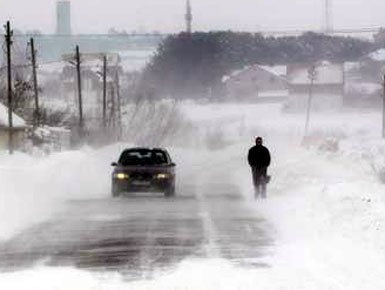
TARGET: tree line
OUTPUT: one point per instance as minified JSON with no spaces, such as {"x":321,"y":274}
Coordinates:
{"x":192,"y":65}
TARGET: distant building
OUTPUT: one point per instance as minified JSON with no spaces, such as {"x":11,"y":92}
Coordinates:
{"x":364,"y":80}
{"x":327,"y":88}
{"x":52,"y":47}
{"x":257,"y":83}
{"x":18,"y":130}
{"x":63,"y":17}
{"x":92,"y":82}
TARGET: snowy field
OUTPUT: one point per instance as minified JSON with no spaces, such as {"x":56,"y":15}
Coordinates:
{"x":326,"y":207}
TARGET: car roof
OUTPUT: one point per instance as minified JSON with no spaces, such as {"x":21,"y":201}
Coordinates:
{"x":144,"y":148}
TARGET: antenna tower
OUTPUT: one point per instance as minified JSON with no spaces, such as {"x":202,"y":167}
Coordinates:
{"x":328,"y":17}
{"x":188,"y":17}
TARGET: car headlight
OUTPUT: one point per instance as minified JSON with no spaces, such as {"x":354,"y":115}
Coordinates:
{"x":162,"y":176}
{"x":121,"y":176}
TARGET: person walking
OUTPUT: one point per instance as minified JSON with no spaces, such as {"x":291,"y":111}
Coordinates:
{"x":259,"y":160}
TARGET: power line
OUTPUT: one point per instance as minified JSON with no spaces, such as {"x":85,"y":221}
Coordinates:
{"x":163,"y":35}
{"x":334,"y":31}
{"x":75,"y":36}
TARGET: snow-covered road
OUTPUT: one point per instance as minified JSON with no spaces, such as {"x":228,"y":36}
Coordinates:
{"x":143,"y":233}
{"x":139,"y":235}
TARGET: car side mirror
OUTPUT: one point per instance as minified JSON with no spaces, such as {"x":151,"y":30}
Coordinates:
{"x":172,"y":164}
{"x":114,"y":164}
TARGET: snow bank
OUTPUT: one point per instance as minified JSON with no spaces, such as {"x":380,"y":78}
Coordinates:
{"x":327,"y":208}
{"x":34,"y":188}
{"x":18,"y":122}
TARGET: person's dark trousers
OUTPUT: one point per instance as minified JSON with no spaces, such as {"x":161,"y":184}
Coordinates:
{"x":259,"y":180}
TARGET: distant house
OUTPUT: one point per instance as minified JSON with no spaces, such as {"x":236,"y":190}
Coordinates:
{"x":18,"y":130}
{"x":92,"y":82}
{"x":257,"y":83}
{"x":327,"y":87}
{"x":49,"y":75}
{"x":364,"y":80}
{"x":363,"y":84}
{"x":91,"y":72}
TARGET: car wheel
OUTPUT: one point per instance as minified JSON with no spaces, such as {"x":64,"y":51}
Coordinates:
{"x":170,"y":191}
{"x":115,"y":192}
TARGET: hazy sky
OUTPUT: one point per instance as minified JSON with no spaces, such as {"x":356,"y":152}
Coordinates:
{"x":97,"y":16}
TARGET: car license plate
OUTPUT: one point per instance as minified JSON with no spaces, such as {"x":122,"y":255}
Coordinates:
{"x":140,"y":183}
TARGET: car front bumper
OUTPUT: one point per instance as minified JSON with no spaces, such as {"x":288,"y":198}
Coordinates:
{"x":130,"y":185}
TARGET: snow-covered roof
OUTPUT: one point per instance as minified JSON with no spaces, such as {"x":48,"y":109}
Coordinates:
{"x":325,"y":74}
{"x":17,"y":121}
{"x":94,"y":65}
{"x":239,"y":71}
{"x":234,"y":73}
{"x":128,"y":60}
{"x":278,"y":71}
{"x":378,"y":55}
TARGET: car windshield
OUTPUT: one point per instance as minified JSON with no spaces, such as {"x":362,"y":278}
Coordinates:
{"x":143,"y":157}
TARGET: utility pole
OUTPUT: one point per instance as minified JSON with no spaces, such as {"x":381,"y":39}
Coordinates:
{"x":112,"y":107}
{"x":312,"y":74}
{"x":8,"y":39}
{"x":119,"y":104}
{"x":104,"y":91}
{"x":77,"y":59}
{"x":383,"y":110}
{"x":36,"y":92}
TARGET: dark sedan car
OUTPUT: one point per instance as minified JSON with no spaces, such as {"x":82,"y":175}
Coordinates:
{"x":144,"y":169}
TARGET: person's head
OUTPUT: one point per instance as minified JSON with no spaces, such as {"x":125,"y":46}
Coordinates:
{"x":258,"y":141}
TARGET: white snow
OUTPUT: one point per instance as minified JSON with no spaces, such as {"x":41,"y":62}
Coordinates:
{"x":33,"y":188}
{"x":273,"y":93}
{"x":378,"y":55}
{"x":16,"y":120}
{"x":279,"y":70}
{"x":327,"y":208}
{"x":364,"y":88}
{"x":51,"y":68}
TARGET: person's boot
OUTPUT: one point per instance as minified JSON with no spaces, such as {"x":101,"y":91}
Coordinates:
{"x":256,"y":191}
{"x":263,"y":191}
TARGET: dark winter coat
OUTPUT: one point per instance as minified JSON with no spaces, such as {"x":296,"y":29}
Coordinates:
{"x":259,"y":156}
